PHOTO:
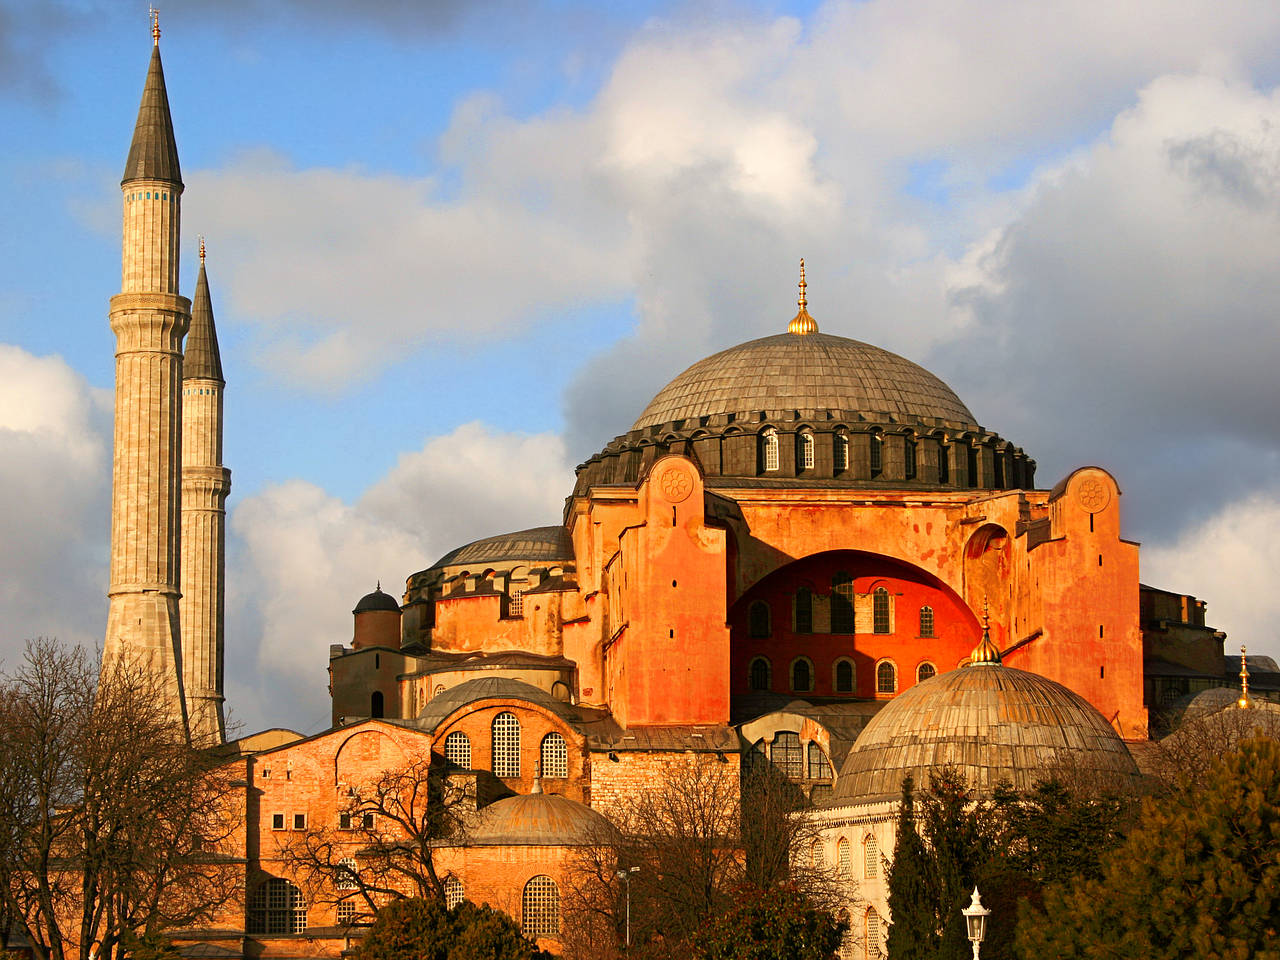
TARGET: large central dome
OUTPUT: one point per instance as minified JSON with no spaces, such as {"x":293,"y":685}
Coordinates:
{"x":808,"y":372}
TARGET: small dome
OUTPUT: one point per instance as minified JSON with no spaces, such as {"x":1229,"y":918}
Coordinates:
{"x":990,"y":723}
{"x":377,"y":601}
{"x":538,"y":820}
{"x":810,"y":371}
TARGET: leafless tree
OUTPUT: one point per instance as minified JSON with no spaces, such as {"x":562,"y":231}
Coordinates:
{"x":107,"y":814}
{"x":1184,"y":759}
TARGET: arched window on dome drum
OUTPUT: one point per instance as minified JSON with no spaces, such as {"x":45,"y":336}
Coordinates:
{"x":277,"y":906}
{"x":844,"y":856}
{"x":804,"y":450}
{"x":804,"y":610}
{"x":787,"y":754}
{"x":880,"y":611}
{"x":555,"y":756}
{"x":886,"y":677}
{"x":540,"y":908}
{"x":759,"y":674}
{"x":375,"y":704}
{"x":506,"y":745}
{"x":925,"y":671}
{"x":944,"y":461}
{"x":997,"y":461}
{"x":971,"y":455}
{"x":870,"y":857}
{"x":457,"y":749}
{"x":840,"y":453}
{"x":454,"y":892}
{"x":909,"y":464}
{"x":926,"y":621}
{"x":758,"y":625}
{"x":842,"y":603}
{"x":819,"y":765}
{"x":801,"y":676}
{"x":877,"y":454}
{"x":769,"y":450}
{"x":844,"y":676}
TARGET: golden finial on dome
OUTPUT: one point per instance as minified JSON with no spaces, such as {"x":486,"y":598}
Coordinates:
{"x":802,"y":323}
{"x":155,"y":24}
{"x":986,"y":651}
{"x":1244,"y":703}
{"x":202,"y":249}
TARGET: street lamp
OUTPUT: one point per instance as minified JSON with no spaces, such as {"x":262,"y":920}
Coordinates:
{"x":625,"y":875}
{"x":975,"y":918}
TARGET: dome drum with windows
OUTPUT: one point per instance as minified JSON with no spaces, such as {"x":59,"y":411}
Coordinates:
{"x":803,"y":408}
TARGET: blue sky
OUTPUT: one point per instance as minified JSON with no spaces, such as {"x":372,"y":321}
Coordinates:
{"x":443,"y":232}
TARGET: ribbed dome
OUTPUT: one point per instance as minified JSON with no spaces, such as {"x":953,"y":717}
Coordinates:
{"x":813,"y":371}
{"x":538,"y":819}
{"x":377,"y":601}
{"x":990,"y":723}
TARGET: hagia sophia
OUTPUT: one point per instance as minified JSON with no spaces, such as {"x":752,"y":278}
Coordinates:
{"x":804,"y":550}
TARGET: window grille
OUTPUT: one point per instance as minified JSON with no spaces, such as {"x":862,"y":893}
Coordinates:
{"x":880,"y":611}
{"x":819,"y":766}
{"x":277,"y":906}
{"x":771,"y":449}
{"x":842,"y":603}
{"x":844,"y":856}
{"x":346,"y":912}
{"x":515,"y":604}
{"x":506,"y":745}
{"x":804,"y":610}
{"x":871,"y":857}
{"x":844,"y":677}
{"x":886,"y":677}
{"x":872,"y":939}
{"x":540,"y":913}
{"x":555,"y":756}
{"x":841,"y":451}
{"x":926,"y":621}
{"x":817,"y":859}
{"x":457,"y":749}
{"x":758,"y":617}
{"x":877,"y":454}
{"x":925,"y":671}
{"x":801,"y":676}
{"x":453,"y":892}
{"x":806,"y":451}
{"x":787,"y":754}
{"x":759,"y":674}
{"x":848,"y":940}
{"x":347,"y":874}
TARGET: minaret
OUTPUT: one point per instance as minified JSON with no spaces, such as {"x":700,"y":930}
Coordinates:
{"x":149,"y":320}
{"x":205,"y":485}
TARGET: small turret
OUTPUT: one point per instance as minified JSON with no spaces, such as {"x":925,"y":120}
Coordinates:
{"x":377,"y":617}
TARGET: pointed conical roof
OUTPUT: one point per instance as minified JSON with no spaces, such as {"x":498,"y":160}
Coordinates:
{"x":201,"y":361}
{"x":153,"y":155}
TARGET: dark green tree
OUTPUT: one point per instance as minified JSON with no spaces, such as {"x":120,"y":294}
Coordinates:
{"x":1199,"y":877}
{"x":424,"y":929}
{"x":913,"y":935}
{"x":778,"y":923}
{"x":953,"y":825}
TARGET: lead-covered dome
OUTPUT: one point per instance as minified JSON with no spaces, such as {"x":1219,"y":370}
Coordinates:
{"x":538,"y":819}
{"x":808,"y":372}
{"x":990,"y":723}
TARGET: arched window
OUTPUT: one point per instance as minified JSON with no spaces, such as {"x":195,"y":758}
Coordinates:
{"x":971,"y":452}
{"x":817,"y":859}
{"x":506,"y":745}
{"x":555,"y":756}
{"x":439,"y":690}
{"x":759,"y":679}
{"x":844,"y":676}
{"x":886,"y":677}
{"x":801,"y":676}
{"x":375,"y":704}
{"x":844,"y":856}
{"x":457,"y":749}
{"x":880,"y":611}
{"x":454,"y":892}
{"x":870,"y":857}
{"x":877,"y":454}
{"x":758,"y":625}
{"x":560,"y":691}
{"x":848,"y":939}
{"x":819,"y":765}
{"x":804,"y":610}
{"x":277,"y":906}
{"x":926,"y":621}
{"x":769,"y":449}
{"x":871,"y":939}
{"x":842,"y":603}
{"x":997,"y":461}
{"x":347,"y":876}
{"x":515,"y":600}
{"x":944,"y":460}
{"x":925,"y":671}
{"x":540,"y":908}
{"x":787,"y":754}
{"x":909,"y":458}
{"x":840,"y":452}
{"x":804,"y":450}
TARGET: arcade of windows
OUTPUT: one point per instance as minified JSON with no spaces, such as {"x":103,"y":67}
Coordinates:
{"x":277,"y":906}
{"x":553,"y":750}
{"x":794,"y":758}
{"x":843,"y":676}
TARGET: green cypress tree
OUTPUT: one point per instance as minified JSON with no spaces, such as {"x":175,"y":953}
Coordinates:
{"x":913,"y":932}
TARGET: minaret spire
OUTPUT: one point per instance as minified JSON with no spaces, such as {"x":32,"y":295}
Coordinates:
{"x":153,"y":154}
{"x":802,"y":323}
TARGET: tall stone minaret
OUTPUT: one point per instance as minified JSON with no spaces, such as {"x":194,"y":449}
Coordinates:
{"x":149,"y":320}
{"x":205,"y":485}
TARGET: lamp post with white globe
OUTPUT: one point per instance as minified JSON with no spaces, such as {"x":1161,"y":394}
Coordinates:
{"x":975,"y":918}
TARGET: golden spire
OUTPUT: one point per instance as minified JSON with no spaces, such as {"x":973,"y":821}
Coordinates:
{"x":1244,"y":703}
{"x":155,"y":24}
{"x":802,"y":323}
{"x":986,"y":651}
{"x":202,"y":249}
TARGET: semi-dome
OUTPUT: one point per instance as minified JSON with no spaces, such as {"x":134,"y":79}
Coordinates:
{"x":808,"y":371}
{"x":377,"y":601}
{"x":537,"y":544}
{"x":538,"y":819}
{"x":988,"y":722}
